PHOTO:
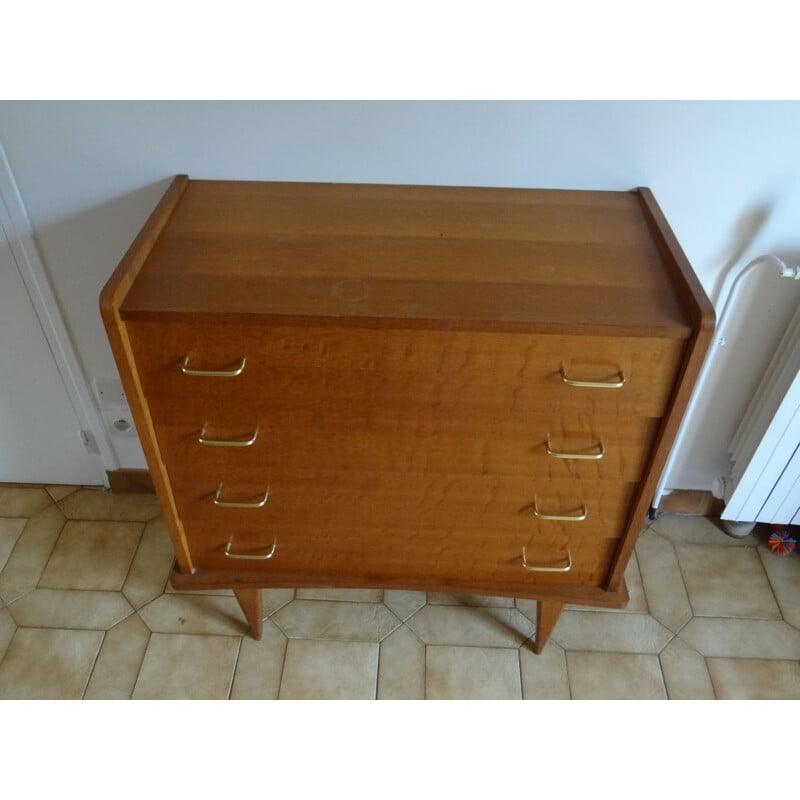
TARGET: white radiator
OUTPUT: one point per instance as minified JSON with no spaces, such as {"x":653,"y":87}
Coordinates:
{"x":764,"y":482}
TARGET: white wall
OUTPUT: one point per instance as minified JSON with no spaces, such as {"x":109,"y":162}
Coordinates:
{"x":727,"y":175}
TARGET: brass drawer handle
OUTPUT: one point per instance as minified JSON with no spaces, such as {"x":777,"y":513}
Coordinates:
{"x":618,"y":384}
{"x":227,"y":504}
{"x":560,"y":517}
{"x":213,"y":373}
{"x":244,"y":557}
{"x":532,"y":568}
{"x":581,"y":456}
{"x":226,"y":442}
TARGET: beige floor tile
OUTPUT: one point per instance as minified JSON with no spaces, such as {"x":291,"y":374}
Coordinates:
{"x":99,"y":504}
{"x":181,"y":667}
{"x":527,"y":607}
{"x":726,"y":582}
{"x":441,"y":599}
{"x":663,"y":581}
{"x":273,"y":599}
{"x":7,"y":629}
{"x":348,"y":595}
{"x":694,"y":529}
{"x":151,"y":565}
{"x":783,"y":573}
{"x":544,"y":676}
{"x":472,"y":673}
{"x":27,"y":561}
{"x":210,"y":592}
{"x":755,"y":679}
{"x":23,"y":502}
{"x":474,"y":627}
{"x":615,"y":676}
{"x":194,"y":614}
{"x":315,"y":670}
{"x":608,"y":631}
{"x":403,"y":603}
{"x":10,"y":531}
{"x":260,"y":666}
{"x":685,"y":672}
{"x":332,"y":619}
{"x":117,"y":667}
{"x":60,"y":491}
{"x":48,"y":664}
{"x":401,"y":667}
{"x":742,"y":638}
{"x":637,"y":602}
{"x":92,"y":555}
{"x":70,"y":608}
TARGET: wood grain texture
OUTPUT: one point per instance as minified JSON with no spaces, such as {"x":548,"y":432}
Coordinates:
{"x":463,"y":258}
{"x":406,"y":440}
{"x":547,"y":614}
{"x":403,"y":352}
{"x":405,"y":501}
{"x":252,"y":608}
{"x":294,"y":367}
{"x":395,"y":557}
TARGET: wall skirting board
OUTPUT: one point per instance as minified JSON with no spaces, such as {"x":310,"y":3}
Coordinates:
{"x":130,"y":480}
{"x":690,"y":501}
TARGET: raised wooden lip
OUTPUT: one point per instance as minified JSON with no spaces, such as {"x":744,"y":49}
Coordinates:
{"x":703,"y":316}
{"x":113,"y":293}
{"x":665,"y":327}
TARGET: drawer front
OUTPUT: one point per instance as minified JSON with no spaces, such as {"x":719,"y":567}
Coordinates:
{"x":235,"y":442}
{"x":300,"y":367}
{"x":294,"y":554}
{"x":320,"y":501}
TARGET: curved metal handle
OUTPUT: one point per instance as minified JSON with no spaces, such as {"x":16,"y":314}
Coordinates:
{"x":618,"y":384}
{"x":580,"y":456}
{"x":226,"y":442}
{"x":560,"y":517}
{"x":244,"y":557}
{"x":226,"y":504}
{"x":532,"y":568}
{"x":213,"y":373}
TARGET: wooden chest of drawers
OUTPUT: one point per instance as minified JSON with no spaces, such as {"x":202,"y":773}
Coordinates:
{"x":431,"y":388}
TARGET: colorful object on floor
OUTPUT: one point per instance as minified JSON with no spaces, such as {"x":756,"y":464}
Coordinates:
{"x":780,"y":541}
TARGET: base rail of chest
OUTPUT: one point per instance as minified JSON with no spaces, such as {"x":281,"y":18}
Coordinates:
{"x":550,"y":599}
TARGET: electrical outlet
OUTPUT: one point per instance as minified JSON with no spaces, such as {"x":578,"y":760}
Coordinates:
{"x":119,"y":421}
{"x":110,"y":393}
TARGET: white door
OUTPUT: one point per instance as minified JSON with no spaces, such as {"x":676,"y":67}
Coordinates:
{"x":40,"y":435}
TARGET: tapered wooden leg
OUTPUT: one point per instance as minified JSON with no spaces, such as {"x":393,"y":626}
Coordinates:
{"x":547,"y":614}
{"x":250,"y":601}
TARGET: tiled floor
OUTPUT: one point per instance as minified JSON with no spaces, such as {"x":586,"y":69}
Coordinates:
{"x":86,"y":612}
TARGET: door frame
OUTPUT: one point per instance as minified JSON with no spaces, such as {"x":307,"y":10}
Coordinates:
{"x":18,"y":231}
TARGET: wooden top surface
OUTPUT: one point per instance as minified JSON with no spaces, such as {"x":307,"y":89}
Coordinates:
{"x":440,"y":257}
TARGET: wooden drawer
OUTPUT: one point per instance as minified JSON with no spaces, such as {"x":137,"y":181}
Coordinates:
{"x":357,"y":556}
{"x":306,"y":367}
{"x":406,"y":440}
{"x":317,"y":500}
